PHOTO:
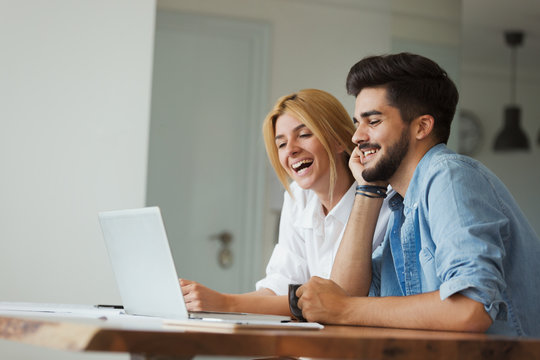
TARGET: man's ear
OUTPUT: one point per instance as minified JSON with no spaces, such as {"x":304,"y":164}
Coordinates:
{"x":424,"y":126}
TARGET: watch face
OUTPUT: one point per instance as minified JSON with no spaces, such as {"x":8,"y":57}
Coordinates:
{"x":470,"y":133}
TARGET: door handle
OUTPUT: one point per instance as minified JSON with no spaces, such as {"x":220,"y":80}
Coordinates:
{"x":225,"y":255}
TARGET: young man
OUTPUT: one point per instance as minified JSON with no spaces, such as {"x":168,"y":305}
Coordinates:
{"x":458,"y":253}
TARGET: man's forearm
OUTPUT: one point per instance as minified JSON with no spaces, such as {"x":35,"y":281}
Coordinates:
{"x":352,"y":265}
{"x":423,"y":311}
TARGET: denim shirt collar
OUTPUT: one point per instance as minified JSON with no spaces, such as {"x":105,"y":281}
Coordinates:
{"x":415,"y":185}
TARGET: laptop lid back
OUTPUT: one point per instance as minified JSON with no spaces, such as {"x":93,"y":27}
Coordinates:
{"x":142,"y":262}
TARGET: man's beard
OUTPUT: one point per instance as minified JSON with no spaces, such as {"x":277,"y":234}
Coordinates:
{"x":386,"y":167}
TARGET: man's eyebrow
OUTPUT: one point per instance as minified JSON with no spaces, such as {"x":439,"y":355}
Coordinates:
{"x":294,"y":130}
{"x":369,"y":113}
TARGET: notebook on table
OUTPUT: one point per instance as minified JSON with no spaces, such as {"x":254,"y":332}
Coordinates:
{"x":147,"y":280}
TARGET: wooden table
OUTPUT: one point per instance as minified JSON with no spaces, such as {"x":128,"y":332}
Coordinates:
{"x":152,"y":340}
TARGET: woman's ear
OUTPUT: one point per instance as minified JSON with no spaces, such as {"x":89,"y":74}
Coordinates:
{"x":424,"y":127}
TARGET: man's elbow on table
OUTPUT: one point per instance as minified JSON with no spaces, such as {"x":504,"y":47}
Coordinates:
{"x":472,"y":316}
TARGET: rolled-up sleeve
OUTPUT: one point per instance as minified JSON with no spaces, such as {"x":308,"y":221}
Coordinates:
{"x":468,"y":226}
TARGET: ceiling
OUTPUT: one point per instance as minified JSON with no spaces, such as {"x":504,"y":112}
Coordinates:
{"x":484,"y":23}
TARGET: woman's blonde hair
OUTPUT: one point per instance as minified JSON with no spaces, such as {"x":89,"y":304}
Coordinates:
{"x":324,"y":115}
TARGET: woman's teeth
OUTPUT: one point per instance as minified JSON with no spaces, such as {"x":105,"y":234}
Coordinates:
{"x":301,"y":166}
{"x":297,"y":165}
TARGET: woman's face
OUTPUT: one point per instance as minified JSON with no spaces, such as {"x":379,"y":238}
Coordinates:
{"x":301,"y":154}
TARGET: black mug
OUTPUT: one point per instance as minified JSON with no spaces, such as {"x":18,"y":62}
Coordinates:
{"x":293,"y":302}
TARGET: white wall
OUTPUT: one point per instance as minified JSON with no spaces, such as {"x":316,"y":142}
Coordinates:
{"x":431,"y":29}
{"x":74,"y":109}
{"x":314,"y":42}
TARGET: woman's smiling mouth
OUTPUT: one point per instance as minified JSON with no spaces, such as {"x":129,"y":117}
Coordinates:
{"x":301,"y":166}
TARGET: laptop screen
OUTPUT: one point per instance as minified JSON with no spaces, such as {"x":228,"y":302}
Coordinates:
{"x":142,"y":262}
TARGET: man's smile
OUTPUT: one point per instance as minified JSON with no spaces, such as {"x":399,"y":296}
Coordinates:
{"x":368,"y":151}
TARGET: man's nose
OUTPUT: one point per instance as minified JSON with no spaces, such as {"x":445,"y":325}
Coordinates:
{"x":360,"y":135}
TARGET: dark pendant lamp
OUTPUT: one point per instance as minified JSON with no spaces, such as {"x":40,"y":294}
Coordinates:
{"x":512,"y":137}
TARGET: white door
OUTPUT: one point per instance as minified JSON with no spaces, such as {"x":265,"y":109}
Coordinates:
{"x":206,"y":155}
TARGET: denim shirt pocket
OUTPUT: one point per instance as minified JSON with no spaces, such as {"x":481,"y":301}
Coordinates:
{"x":430,"y":281}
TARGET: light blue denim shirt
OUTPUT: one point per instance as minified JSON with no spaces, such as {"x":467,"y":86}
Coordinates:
{"x":459,"y":230}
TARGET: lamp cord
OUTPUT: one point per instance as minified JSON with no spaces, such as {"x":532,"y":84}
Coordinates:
{"x":513,"y":75}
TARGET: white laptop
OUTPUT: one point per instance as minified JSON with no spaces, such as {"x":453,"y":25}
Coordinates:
{"x":146,"y":276}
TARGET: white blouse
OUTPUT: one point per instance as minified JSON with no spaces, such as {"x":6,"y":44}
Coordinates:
{"x":309,"y":240}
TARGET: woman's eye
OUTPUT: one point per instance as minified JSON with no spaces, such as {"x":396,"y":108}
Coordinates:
{"x":305,"y":135}
{"x":281,"y":145}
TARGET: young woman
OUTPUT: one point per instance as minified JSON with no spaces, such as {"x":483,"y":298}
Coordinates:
{"x":308,"y":141}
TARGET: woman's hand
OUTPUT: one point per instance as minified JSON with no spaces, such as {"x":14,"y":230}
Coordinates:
{"x":200,"y":298}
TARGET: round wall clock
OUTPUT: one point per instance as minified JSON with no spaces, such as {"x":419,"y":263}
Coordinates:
{"x":471,"y":133}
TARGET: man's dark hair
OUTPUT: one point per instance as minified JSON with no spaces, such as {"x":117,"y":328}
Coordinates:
{"x":415,"y":86}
